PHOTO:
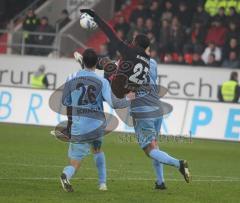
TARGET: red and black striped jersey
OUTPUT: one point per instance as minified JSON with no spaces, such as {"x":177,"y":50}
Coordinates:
{"x":132,"y":71}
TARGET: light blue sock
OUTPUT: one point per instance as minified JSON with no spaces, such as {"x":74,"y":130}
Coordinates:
{"x":101,"y":166}
{"x":69,"y":171}
{"x":164,"y":158}
{"x":159,"y":171}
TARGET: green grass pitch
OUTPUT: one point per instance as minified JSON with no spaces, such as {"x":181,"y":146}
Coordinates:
{"x":31,"y":162}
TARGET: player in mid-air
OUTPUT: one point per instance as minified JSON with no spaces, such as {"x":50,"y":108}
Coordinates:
{"x":146,"y":118}
{"x":83,"y":96}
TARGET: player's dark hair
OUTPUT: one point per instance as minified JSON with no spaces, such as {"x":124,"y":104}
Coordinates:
{"x":142,"y":41}
{"x":90,"y":58}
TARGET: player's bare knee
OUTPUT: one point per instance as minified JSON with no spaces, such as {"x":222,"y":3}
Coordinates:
{"x":95,"y":151}
{"x":96,"y":146}
{"x":75,"y":163}
{"x":150,"y":147}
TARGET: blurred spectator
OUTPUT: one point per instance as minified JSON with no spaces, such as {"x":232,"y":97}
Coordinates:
{"x":232,"y":45}
{"x":180,"y":60}
{"x":139,"y":27}
{"x":233,"y":16}
{"x":232,"y":61}
{"x":229,"y":91}
{"x":154,"y":55}
{"x":216,"y":33}
{"x":30,"y":24}
{"x":132,"y":36}
{"x":164,"y":36}
{"x":31,"y":21}
{"x":154,"y":11}
{"x":233,"y":32}
{"x":188,"y":58}
{"x":39,"y":78}
{"x":211,"y":49}
{"x":153,"y":42}
{"x":201,"y":16}
{"x":168,"y":6}
{"x":138,"y":12}
{"x":63,"y":20}
{"x":177,"y":36}
{"x":196,"y":38}
{"x":120,"y":5}
{"x":103,"y":51}
{"x":211,"y":62}
{"x":42,"y":38}
{"x":184,"y":15}
{"x":168,"y":11}
{"x":122,"y":25}
{"x":168,"y":59}
{"x":196,"y":59}
{"x":221,"y":17}
{"x":149,"y":26}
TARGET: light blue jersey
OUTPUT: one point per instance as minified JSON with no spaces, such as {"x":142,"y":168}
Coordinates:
{"x":147,"y":125}
{"x":85,"y":92}
{"x":147,"y":100}
{"x":153,"y":72}
{"x":153,"y":76}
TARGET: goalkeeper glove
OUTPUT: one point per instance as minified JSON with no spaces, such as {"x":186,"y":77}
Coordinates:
{"x":88,"y":11}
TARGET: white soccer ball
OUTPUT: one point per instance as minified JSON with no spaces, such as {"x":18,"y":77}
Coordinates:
{"x":87,"y":22}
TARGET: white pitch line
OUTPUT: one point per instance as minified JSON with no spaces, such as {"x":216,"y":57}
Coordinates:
{"x":84,"y":168}
{"x":48,"y":166}
{"x":211,"y":176}
{"x":31,"y":165}
{"x":119,"y":170}
{"x":115,"y":179}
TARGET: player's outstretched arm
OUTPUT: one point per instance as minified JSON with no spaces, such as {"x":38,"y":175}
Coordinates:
{"x":124,"y":102}
{"x":107,"y":29}
{"x":112,"y":100}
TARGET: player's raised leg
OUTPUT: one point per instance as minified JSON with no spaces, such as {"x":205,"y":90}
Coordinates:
{"x":147,"y":138}
{"x":67,"y":174}
{"x":164,"y":158}
{"x":76,"y":153}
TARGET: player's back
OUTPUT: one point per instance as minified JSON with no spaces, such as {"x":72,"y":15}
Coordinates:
{"x":84,"y":93}
{"x":139,"y":68}
{"x":131,"y":72}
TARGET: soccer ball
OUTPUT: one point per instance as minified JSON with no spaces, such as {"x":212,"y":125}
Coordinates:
{"x":87,"y":22}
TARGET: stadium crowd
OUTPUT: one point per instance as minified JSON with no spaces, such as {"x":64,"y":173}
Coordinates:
{"x":32,"y":23}
{"x":197,"y":33}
